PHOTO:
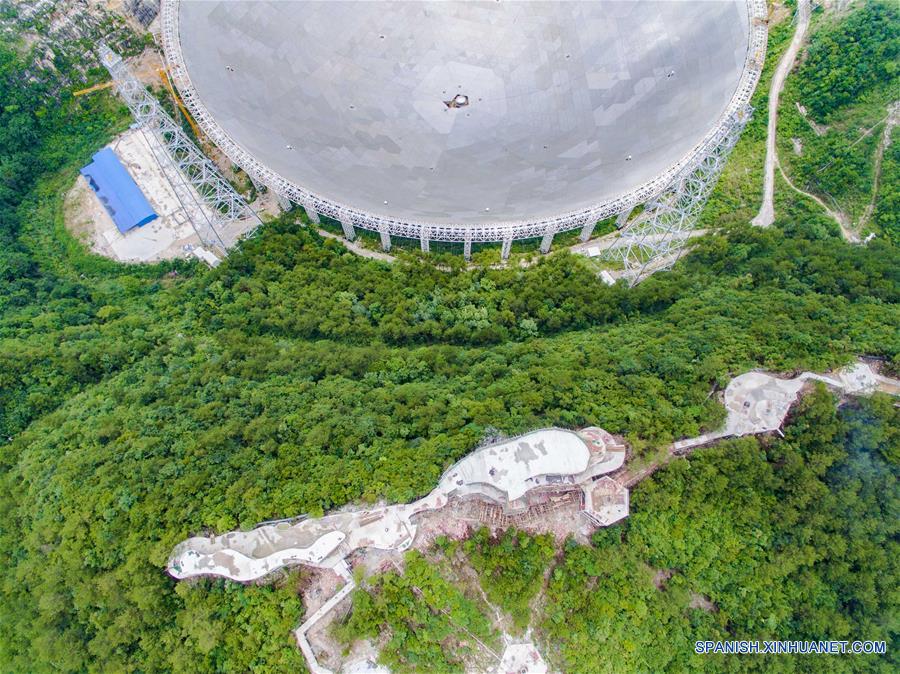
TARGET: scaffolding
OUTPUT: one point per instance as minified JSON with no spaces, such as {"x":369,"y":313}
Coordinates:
{"x":218,"y":214}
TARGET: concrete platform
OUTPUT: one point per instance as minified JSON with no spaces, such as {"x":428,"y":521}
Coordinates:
{"x":501,"y":473}
{"x":169,"y":236}
{"x":758,"y":402}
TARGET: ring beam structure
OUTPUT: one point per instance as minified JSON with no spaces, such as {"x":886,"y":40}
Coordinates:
{"x":466,"y":121}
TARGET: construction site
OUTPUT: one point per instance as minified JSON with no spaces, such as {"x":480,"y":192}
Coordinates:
{"x":219,"y":167}
{"x":547,"y":480}
{"x":556,"y":481}
{"x":195,"y":210}
{"x":512,"y":483}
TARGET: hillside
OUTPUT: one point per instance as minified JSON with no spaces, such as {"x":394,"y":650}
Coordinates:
{"x":142,"y":404}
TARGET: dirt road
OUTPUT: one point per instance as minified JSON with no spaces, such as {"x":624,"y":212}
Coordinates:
{"x":893,"y":119}
{"x":766,"y":215}
{"x":842,"y":220}
{"x":355,"y":247}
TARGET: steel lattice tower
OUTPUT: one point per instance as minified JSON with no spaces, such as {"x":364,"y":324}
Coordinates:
{"x":658,"y":237}
{"x":216,"y":211}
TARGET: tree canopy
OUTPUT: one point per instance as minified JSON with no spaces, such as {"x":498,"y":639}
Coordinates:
{"x":143,"y":404}
{"x":756,"y":539}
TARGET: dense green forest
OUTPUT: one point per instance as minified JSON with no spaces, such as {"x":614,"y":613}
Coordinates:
{"x":143,"y":404}
{"x":791,"y":539}
{"x":511,"y":568}
{"x":847,"y":59}
{"x":757,"y":538}
{"x":433,"y":625}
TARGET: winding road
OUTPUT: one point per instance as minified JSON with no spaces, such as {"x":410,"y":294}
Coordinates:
{"x":892,"y":120}
{"x":837,"y":216}
{"x":766,"y":215}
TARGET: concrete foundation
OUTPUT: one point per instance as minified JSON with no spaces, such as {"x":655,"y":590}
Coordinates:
{"x":169,"y":236}
{"x":547,"y":241}
{"x":347,"y":226}
{"x":385,"y":239}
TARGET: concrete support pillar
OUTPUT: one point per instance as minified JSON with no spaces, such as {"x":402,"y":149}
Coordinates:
{"x":467,"y":246}
{"x":506,"y":247}
{"x":587,"y":229}
{"x":549,"y":233}
{"x":311,"y":212}
{"x":256,"y":184}
{"x":424,"y":239}
{"x":385,"y":238}
{"x":283,"y":202}
{"x":622,"y":219}
{"x":347,"y":225}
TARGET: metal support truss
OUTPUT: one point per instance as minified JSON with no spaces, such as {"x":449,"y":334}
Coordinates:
{"x":423,"y":240}
{"x":217,"y":212}
{"x":311,"y":213}
{"x":467,"y":246}
{"x":587,"y":230}
{"x":283,"y":202}
{"x":347,"y":226}
{"x":622,"y":218}
{"x":659,"y":235}
{"x":547,"y":240}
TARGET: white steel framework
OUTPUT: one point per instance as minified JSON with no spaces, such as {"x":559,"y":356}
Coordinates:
{"x":668,"y":182}
{"x":217,"y":212}
{"x":659,"y":235}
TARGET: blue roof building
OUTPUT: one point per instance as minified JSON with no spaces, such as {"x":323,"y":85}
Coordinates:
{"x":117,"y":191}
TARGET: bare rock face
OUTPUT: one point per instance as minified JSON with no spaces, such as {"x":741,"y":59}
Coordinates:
{"x":68,"y":31}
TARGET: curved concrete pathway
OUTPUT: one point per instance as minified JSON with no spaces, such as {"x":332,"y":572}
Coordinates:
{"x":758,"y":402}
{"x":502,"y":473}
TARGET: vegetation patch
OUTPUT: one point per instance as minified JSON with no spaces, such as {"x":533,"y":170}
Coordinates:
{"x":511,"y":569}
{"x":430,"y":624}
{"x":836,"y":103}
